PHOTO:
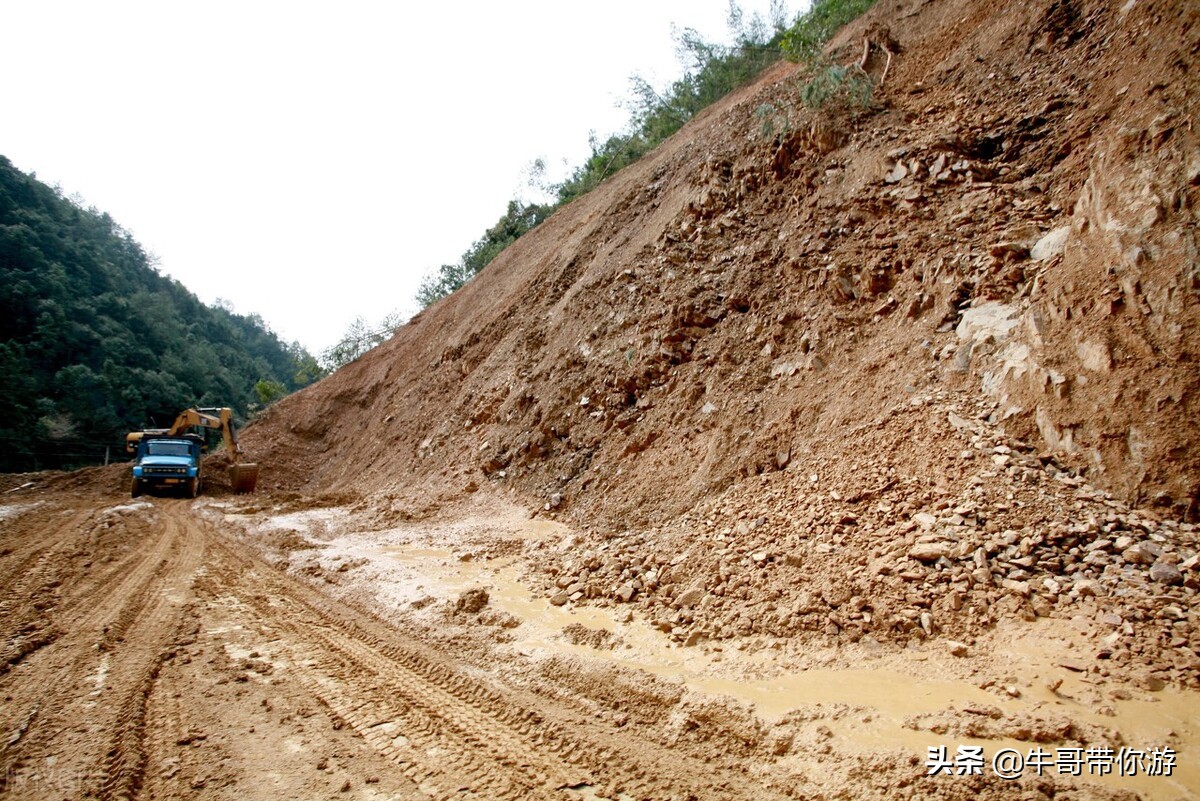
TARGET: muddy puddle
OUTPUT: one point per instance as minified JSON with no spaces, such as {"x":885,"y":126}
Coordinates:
{"x":879,"y":700}
{"x":888,"y":704}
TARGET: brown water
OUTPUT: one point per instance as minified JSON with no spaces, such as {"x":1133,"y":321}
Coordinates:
{"x":882,"y":697}
{"x":881,"y":693}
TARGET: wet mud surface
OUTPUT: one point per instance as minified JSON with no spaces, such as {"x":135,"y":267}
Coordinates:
{"x":261,"y":649}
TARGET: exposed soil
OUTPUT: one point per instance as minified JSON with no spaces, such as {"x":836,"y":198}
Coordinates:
{"x":812,"y":441}
{"x":255,"y":648}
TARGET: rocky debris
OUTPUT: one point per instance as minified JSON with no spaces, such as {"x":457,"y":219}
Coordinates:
{"x":989,"y":722}
{"x":600,"y":639}
{"x":471,"y":601}
{"x":891,"y":374}
{"x":909,"y":563}
{"x":739,"y":266}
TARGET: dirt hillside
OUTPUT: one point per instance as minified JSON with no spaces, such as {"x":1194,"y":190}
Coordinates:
{"x":826,"y":453}
{"x":739,"y":301}
{"x":964,"y":300}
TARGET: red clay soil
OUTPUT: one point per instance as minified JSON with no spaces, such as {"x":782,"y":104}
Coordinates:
{"x":882,"y":413}
{"x":972,"y":299}
{"x":737,"y":294}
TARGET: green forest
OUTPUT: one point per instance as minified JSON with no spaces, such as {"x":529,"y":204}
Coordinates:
{"x":95,"y":342}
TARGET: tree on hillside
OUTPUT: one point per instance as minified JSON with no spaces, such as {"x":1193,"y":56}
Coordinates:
{"x":519,"y":219}
{"x":360,"y":338}
{"x":711,"y":71}
{"x":94,"y":341}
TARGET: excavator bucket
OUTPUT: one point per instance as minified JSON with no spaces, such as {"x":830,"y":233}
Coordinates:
{"x":243,"y":477}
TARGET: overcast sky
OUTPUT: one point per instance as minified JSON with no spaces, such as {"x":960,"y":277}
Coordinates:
{"x":311,"y":161}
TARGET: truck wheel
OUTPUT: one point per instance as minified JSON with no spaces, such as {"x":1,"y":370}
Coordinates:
{"x":136,"y":489}
{"x":193,"y":487}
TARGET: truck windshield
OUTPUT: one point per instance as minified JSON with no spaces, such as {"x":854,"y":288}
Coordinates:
{"x":168,"y":449}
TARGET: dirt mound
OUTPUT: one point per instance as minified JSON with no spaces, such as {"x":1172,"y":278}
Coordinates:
{"x":881,"y":371}
{"x":103,"y":481}
{"x":735,"y":297}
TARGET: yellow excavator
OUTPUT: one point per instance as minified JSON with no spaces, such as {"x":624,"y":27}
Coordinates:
{"x":171,"y":457}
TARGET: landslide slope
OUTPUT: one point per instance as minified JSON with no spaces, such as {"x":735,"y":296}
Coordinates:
{"x":745,"y":301}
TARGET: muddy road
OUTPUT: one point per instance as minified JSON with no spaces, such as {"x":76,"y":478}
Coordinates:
{"x":256,"y":649}
{"x":147,"y":654}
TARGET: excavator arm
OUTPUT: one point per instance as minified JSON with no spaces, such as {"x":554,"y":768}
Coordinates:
{"x":218,"y":418}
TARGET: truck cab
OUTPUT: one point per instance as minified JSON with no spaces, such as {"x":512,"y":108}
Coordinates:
{"x":168,"y":462}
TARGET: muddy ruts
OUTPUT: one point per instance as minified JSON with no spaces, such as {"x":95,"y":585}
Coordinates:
{"x":408,"y":701}
{"x":32,"y":571}
{"x":75,"y":726}
{"x":93,"y":713}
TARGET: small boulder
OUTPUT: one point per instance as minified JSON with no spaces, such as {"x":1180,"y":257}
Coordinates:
{"x":929,"y":551}
{"x":471,"y":601}
{"x":1050,"y":245}
{"x":1165,"y":573}
{"x":1143,"y":553}
{"x":1021,"y":588}
{"x":690,"y":597}
{"x":835,"y":595}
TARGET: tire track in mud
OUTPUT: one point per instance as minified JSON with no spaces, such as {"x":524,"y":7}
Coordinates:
{"x":85,"y":698}
{"x":51,"y":580}
{"x":453,"y":734}
{"x":91,"y":684}
{"x":479,"y":756}
{"x":31,"y":566}
{"x":21,"y":574}
{"x":163,"y":724}
{"x":24,"y":625}
{"x":158,"y":619}
{"x":372,"y":696}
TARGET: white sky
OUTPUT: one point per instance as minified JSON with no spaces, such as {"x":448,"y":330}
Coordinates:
{"x":310,"y":162}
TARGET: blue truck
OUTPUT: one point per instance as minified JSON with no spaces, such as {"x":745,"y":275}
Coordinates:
{"x":168,"y":462}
